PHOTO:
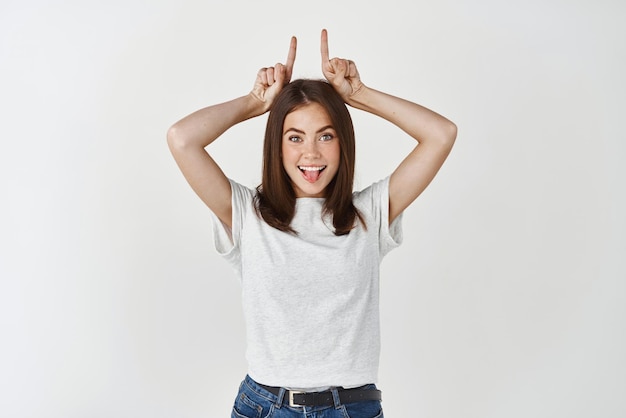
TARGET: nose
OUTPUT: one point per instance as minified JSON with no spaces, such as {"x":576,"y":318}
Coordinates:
{"x":311,"y":149}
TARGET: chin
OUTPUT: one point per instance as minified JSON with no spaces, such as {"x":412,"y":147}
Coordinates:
{"x":310,"y":191}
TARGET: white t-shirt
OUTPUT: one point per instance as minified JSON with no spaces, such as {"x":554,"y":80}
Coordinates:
{"x":311,"y":300}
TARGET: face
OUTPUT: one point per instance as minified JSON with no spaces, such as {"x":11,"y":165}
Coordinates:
{"x":310,"y":150}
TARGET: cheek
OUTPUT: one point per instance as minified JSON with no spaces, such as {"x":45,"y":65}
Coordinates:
{"x":285,"y":155}
{"x":336,"y":153}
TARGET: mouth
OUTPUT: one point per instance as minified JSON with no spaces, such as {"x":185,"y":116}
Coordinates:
{"x":311,"y":172}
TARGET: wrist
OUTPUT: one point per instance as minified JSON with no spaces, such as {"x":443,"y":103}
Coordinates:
{"x":255,"y":105}
{"x":359,"y":98}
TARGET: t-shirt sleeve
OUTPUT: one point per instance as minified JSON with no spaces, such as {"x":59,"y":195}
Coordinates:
{"x":375,"y":201}
{"x":227,"y":239}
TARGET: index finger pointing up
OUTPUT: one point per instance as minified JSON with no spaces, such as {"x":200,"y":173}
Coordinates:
{"x":291,"y":57}
{"x":324,"y":46}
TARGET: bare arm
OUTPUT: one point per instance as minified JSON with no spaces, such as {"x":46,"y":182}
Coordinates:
{"x":188,"y":138}
{"x":435,"y":135}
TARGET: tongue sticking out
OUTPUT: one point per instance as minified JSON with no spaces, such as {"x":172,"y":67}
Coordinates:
{"x":311,"y":175}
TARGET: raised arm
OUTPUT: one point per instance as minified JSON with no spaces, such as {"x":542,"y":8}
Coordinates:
{"x":435,"y":135}
{"x":188,"y":138}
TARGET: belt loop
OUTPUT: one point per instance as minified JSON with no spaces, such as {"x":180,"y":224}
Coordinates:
{"x":336,"y":399}
{"x":281,"y":397}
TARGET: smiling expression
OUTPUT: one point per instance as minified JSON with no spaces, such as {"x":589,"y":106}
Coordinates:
{"x":310,"y":150}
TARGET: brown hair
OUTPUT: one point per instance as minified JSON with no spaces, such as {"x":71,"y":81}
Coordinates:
{"x":275,"y":200}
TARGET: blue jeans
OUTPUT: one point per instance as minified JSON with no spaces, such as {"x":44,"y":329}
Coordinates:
{"x":255,"y":402}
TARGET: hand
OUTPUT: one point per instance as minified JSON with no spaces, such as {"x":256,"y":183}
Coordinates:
{"x":340,"y":73}
{"x":270,"y":81}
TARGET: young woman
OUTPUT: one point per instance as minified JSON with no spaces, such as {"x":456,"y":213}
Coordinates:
{"x":306,"y":248}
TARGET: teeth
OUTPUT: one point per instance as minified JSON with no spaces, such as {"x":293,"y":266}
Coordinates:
{"x":320,"y":168}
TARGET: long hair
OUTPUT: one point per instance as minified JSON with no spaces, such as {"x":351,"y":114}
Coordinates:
{"x":276,"y":199}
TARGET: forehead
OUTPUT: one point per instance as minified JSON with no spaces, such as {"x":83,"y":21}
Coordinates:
{"x":309,"y":115}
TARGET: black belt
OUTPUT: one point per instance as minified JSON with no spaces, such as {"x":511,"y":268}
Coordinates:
{"x":297,"y":398}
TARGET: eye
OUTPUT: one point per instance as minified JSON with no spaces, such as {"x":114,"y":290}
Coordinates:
{"x":326,"y":137}
{"x":294,"y":138}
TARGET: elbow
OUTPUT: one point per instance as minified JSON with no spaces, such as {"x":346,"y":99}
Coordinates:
{"x":452,"y":132}
{"x":175,"y":138}
{"x":448,"y":134}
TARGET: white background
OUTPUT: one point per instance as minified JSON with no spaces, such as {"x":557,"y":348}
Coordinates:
{"x":507,"y":298}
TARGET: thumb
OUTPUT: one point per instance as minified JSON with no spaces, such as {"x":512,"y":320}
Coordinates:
{"x":340,"y":66}
{"x":280,"y":74}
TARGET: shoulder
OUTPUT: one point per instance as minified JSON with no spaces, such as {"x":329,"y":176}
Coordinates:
{"x":372,"y":194}
{"x":241,"y":194}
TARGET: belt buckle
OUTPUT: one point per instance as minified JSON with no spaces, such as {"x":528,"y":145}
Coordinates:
{"x":291,"y":403}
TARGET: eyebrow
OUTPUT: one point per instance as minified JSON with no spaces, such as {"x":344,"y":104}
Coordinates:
{"x":325,"y":128}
